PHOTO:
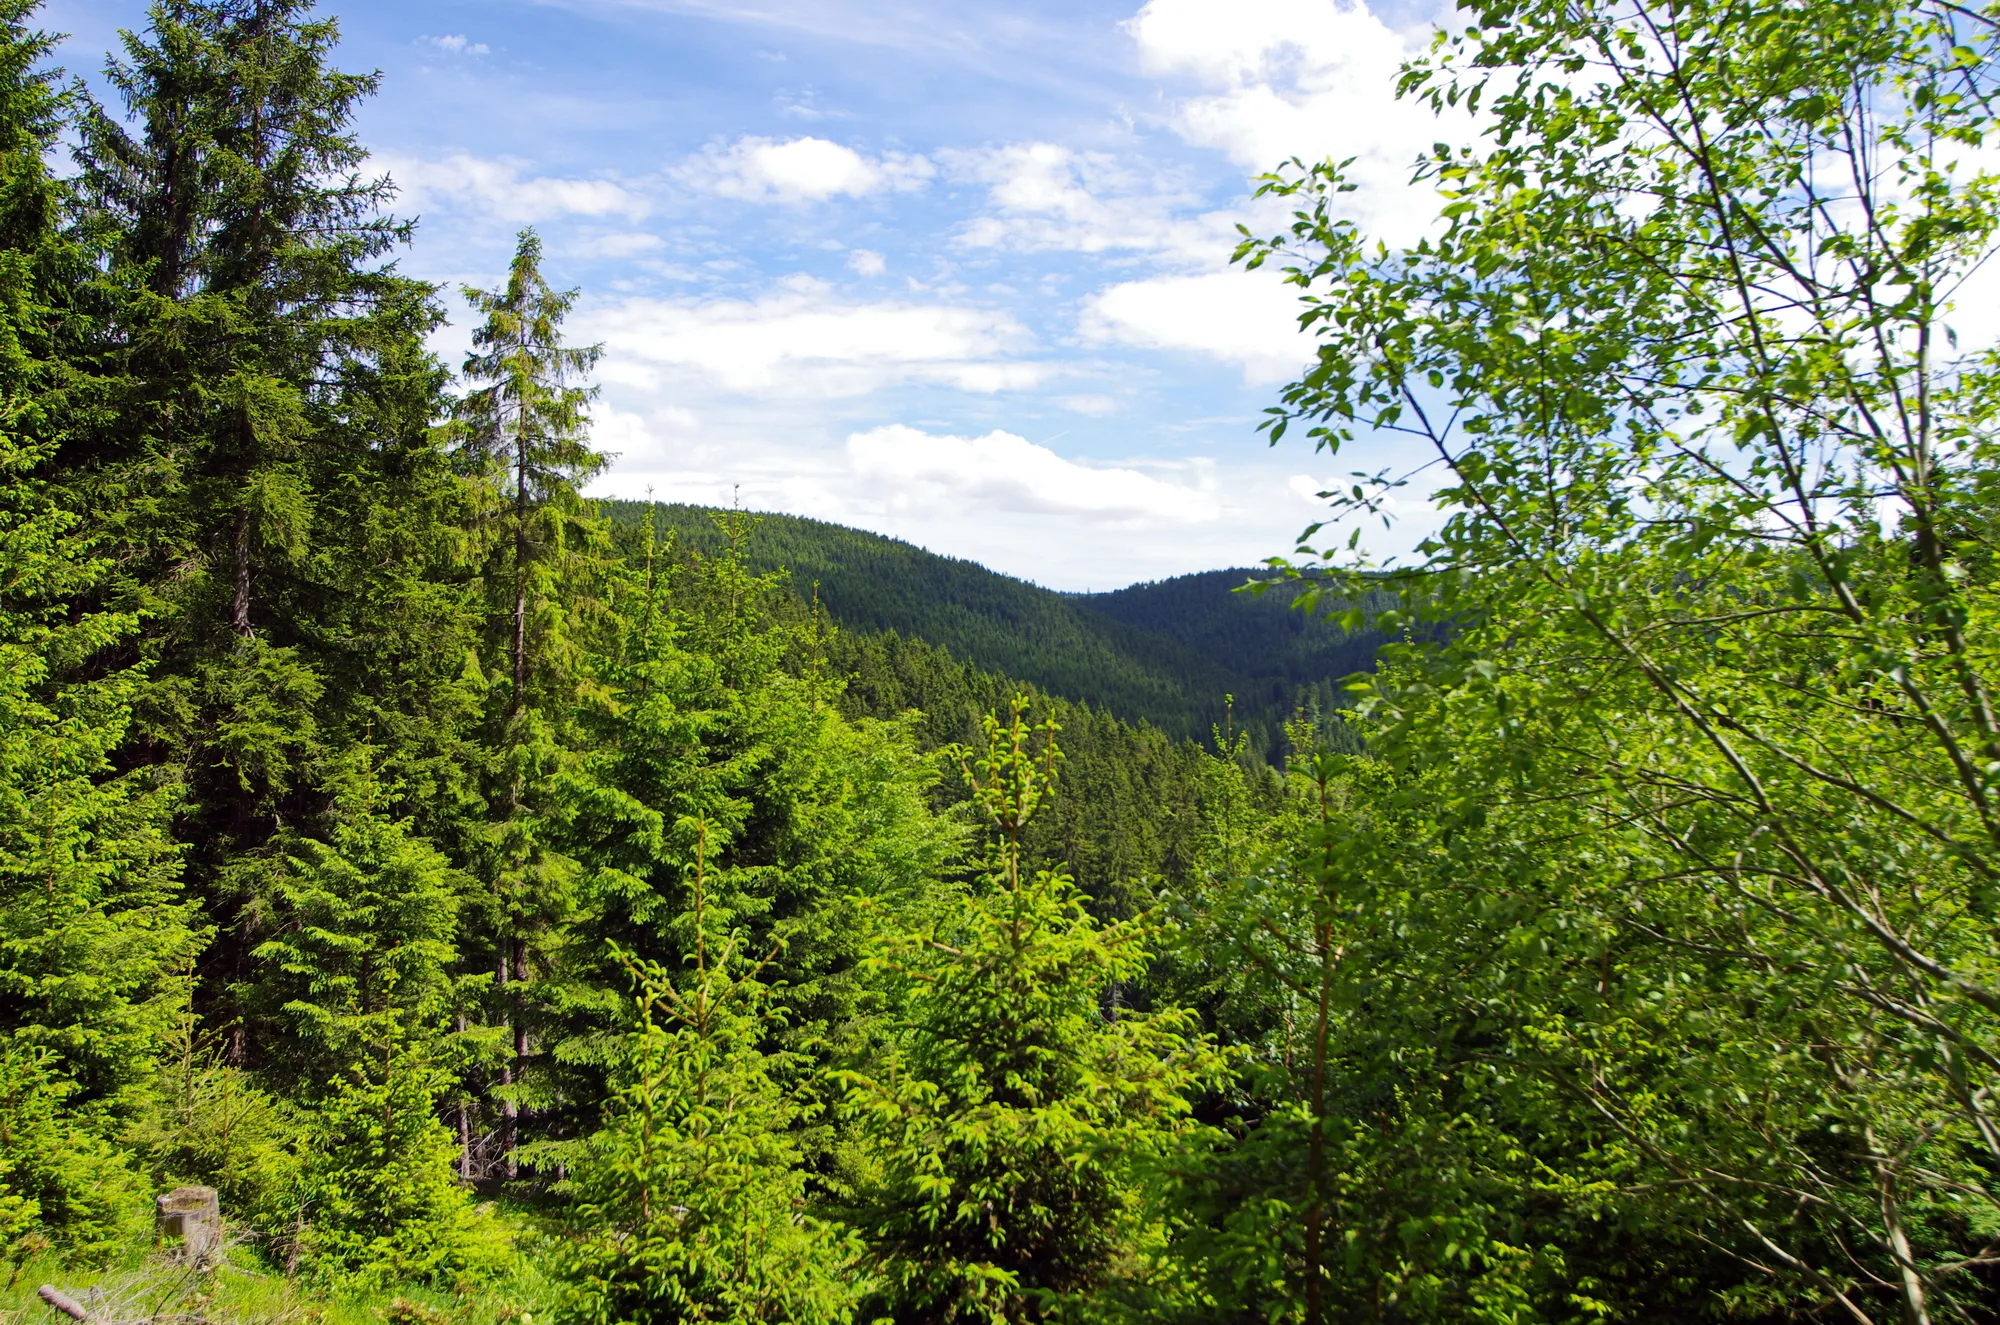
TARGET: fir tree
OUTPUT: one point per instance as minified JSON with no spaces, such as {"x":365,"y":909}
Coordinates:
{"x":694,"y":1190}
{"x":725,"y":715}
{"x":1005,"y":1126}
{"x":525,"y":427}
{"x":90,"y":916}
{"x":365,"y":945}
{"x":260,"y":382}
{"x":380,"y":1199}
{"x":365,"y":924}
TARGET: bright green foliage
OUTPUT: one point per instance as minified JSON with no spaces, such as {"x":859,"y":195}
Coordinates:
{"x":1377,"y":1167}
{"x":364,"y":926}
{"x":726,"y":718}
{"x":90,"y":919}
{"x":1006,"y":1122}
{"x":59,"y":1184}
{"x":694,"y":1189}
{"x":1711,"y":757}
{"x":380,"y":1199}
{"x":527,"y":427}
{"x":1628,"y":955}
{"x":361,"y":966}
{"x":524,"y":430}
{"x":210,"y":1124}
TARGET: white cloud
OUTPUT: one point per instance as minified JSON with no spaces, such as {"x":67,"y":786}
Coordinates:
{"x":1004,"y":472}
{"x":637,"y":433}
{"x":1246,"y":318}
{"x":456,"y":44}
{"x":1046,"y":196}
{"x":801,"y":170}
{"x":500,"y":188}
{"x":802,"y":341}
{"x":866,"y":262}
{"x":623,"y":244}
{"x":1307,"y":488}
{"x":1093,"y":406}
{"x":1307,"y":78}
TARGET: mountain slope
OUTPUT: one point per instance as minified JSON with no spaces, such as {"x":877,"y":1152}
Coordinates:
{"x":1166,"y":653}
{"x":1271,"y":647}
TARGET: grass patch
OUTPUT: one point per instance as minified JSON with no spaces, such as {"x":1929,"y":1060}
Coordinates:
{"x":143,"y":1283}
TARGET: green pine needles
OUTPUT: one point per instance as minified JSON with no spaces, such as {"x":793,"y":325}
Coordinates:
{"x":696,"y":1189}
{"x":1010,"y":1116}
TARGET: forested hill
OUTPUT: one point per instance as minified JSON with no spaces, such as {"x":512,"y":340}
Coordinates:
{"x":1169,"y":653}
{"x":1276,"y":654}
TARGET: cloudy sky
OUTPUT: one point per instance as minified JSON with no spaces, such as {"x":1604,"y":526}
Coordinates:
{"x":952,"y":270}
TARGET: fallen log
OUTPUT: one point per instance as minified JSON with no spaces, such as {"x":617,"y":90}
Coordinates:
{"x":55,"y":1297}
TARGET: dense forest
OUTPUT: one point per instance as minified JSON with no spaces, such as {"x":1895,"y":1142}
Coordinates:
{"x":1184,"y":655}
{"x":507,"y":906}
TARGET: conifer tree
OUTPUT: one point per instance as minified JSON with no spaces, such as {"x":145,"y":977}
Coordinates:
{"x":90,"y":915}
{"x":726,"y":716}
{"x":694,"y":1191}
{"x":261,"y":430}
{"x":1008,"y":1119}
{"x":381,"y":1201}
{"x":89,"y":912}
{"x":365,"y":924}
{"x":208,"y":1123}
{"x":525,"y":425}
{"x":364,"y":947}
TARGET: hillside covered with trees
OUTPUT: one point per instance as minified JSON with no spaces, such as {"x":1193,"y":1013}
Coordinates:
{"x":512,"y":908}
{"x":1172,"y":654}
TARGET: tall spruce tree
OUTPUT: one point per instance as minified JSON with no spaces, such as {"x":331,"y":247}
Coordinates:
{"x":526,"y":428}
{"x":90,"y":914}
{"x":261,"y":443}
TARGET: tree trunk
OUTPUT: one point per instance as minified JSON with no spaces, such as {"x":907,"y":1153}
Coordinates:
{"x":1316,"y":1141}
{"x":520,"y":1069}
{"x":464,"y":1123}
{"x":519,"y":697}
{"x":507,"y":1109}
{"x":239,"y":607}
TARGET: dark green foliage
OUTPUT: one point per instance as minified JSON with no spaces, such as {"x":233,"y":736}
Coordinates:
{"x":1283,"y":657}
{"x":727,"y":722}
{"x":257,"y":432}
{"x":1625,"y":953}
{"x":90,"y":918}
{"x":524,"y":433}
{"x":1130,"y":653}
{"x":1136,"y":811}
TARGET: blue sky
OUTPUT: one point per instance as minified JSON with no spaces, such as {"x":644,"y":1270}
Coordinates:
{"x":953,"y":272}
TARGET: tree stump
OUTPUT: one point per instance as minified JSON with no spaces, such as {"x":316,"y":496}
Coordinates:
{"x":194,"y":1215}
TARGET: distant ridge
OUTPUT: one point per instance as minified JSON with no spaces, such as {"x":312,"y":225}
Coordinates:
{"x":1166,"y":652}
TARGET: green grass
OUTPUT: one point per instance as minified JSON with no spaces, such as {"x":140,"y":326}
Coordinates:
{"x":140,"y":1282}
